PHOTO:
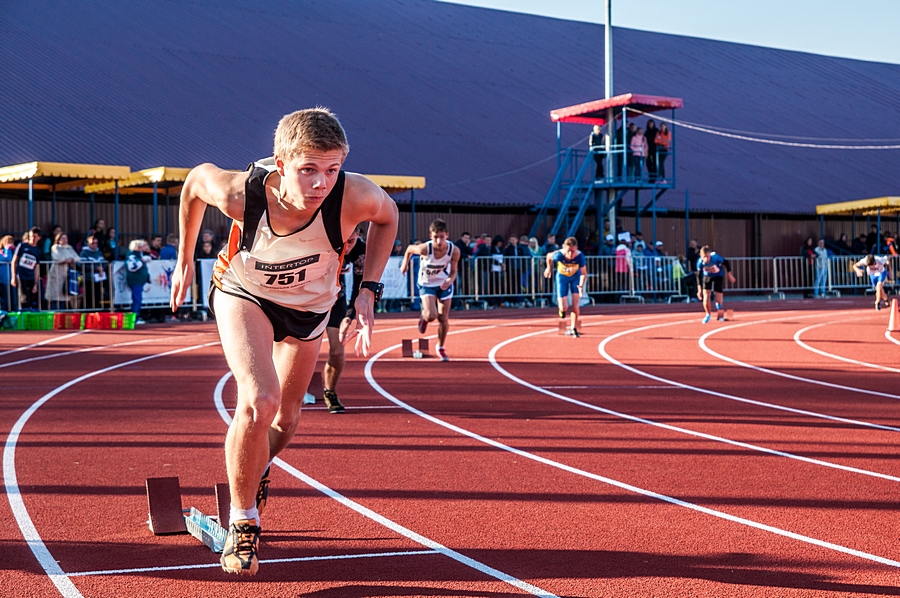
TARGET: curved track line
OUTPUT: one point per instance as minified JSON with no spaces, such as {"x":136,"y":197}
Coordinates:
{"x":23,"y":519}
{"x":887,"y":335}
{"x":492,"y":357}
{"x":704,"y":347}
{"x":865,"y":364}
{"x":722,"y":395}
{"x":90,"y":349}
{"x":616,"y":483}
{"x":396,"y":527}
{"x":52,"y":339}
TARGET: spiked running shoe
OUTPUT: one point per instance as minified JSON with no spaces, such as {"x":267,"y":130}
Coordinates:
{"x":561,"y":313}
{"x":423,"y":325}
{"x":442,"y":354}
{"x":262,"y":493}
{"x":309,"y":399}
{"x":705,"y":319}
{"x":331,"y":400}
{"x":241,"y":552}
{"x":575,"y":332}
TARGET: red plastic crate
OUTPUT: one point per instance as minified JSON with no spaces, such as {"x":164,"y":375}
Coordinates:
{"x":68,"y":321}
{"x":103,"y":320}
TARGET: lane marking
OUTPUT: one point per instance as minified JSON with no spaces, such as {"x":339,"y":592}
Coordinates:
{"x":618,"y":484}
{"x":887,"y":335}
{"x":722,"y":395}
{"x":492,"y":357}
{"x":866,"y":364}
{"x":366,"y":512}
{"x":717,"y":355}
{"x":52,"y":339}
{"x":261,"y":562}
{"x":90,"y":349}
{"x":10,"y":480}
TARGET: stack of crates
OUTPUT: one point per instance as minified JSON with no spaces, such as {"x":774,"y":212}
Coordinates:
{"x":68,"y":321}
{"x":110,"y":321}
{"x":38,"y":320}
{"x":13,"y":321}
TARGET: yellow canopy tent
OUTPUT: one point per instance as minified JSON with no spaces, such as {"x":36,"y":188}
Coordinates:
{"x":875,"y":206}
{"x":149,"y":180}
{"x":58,"y":176}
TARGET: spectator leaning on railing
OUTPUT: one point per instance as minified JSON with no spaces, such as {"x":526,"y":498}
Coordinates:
{"x":62,"y":293}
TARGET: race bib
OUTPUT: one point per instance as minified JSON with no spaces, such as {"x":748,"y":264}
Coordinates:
{"x":431,"y":271}
{"x":285,"y":275}
{"x":27,"y":261}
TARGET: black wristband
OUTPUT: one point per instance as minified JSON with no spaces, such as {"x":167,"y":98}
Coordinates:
{"x":377,"y":288}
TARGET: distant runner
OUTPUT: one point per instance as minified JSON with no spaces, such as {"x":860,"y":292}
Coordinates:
{"x":571,"y":276}
{"x":879,"y":269}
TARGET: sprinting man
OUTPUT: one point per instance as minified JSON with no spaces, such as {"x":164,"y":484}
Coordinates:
{"x":879,"y":269}
{"x":340,"y":318}
{"x":571,"y":275}
{"x":274,"y":285}
{"x":711,"y":267}
{"x":438,"y":264}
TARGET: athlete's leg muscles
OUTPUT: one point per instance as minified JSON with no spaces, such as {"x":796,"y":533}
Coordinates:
{"x":336,"y":359}
{"x":576,"y":308}
{"x":429,"y":308}
{"x":246,"y":336}
{"x":295,"y":362}
{"x":443,"y":321}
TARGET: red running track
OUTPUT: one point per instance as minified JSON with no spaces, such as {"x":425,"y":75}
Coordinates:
{"x":654,"y":456}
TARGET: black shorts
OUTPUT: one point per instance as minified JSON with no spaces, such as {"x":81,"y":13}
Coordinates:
{"x":714,"y":283}
{"x":338,"y":311}
{"x":301,"y":325}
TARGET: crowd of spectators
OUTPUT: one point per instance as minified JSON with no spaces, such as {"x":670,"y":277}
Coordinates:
{"x":644,"y":148}
{"x":69,"y":270}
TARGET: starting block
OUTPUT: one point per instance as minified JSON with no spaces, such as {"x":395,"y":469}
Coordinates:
{"x":408,"y":351}
{"x":565,"y":323}
{"x":725,"y":314}
{"x":168,"y":517}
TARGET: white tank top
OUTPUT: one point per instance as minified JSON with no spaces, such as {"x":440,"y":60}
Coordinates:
{"x":434,"y":271}
{"x":298,"y":271}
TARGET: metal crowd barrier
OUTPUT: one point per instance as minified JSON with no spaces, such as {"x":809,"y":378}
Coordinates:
{"x":488,"y":279}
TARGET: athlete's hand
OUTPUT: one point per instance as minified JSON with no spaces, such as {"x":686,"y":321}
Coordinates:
{"x":731,"y":278}
{"x":547,"y":272}
{"x":365,"y":320}
{"x":182,"y":278}
{"x":446,"y":284}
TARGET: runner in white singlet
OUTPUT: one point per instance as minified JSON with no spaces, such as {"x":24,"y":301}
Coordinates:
{"x":438,"y":261}
{"x":274,"y":284}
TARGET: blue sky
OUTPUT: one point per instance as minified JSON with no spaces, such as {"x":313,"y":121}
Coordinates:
{"x":861,"y":29}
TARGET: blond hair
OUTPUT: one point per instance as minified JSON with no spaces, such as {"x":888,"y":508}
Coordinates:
{"x":136,"y":244}
{"x":311,"y":129}
{"x":571,"y":242}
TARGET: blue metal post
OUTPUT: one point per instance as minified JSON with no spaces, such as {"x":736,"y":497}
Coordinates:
{"x":687,"y":219}
{"x":116,"y":216}
{"x":53,"y":208}
{"x":412,"y":204}
{"x":156,"y":208}
{"x":167,"y":213}
{"x":878,"y":238}
{"x":637,"y":211}
{"x":30,"y":203}
{"x":93,"y":219}
{"x":821,"y":226}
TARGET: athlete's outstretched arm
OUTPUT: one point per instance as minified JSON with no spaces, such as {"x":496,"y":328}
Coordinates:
{"x":205,"y":185}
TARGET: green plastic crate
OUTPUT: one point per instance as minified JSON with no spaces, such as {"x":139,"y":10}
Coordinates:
{"x":39,"y":320}
{"x":14,"y":321}
{"x":128,"y":319}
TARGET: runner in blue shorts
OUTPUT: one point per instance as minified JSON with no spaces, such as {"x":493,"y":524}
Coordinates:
{"x":571,"y":275}
{"x":879,"y":269}
{"x":438,"y":263}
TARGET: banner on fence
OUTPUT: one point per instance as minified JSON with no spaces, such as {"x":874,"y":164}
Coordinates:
{"x":156,"y":292}
{"x":394,"y":282}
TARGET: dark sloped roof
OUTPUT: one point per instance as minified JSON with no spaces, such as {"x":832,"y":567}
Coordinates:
{"x":457,"y":94}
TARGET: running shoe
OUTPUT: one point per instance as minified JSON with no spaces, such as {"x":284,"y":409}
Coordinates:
{"x":706,"y":318}
{"x":575,"y":332}
{"x":878,"y":305}
{"x":442,"y":354}
{"x":309,"y":399}
{"x":423,"y":325}
{"x":241,"y":552}
{"x":331,"y":400}
{"x":721,"y":318}
{"x":562,"y":314}
{"x":718,"y":306}
{"x":262,"y":493}
{"x":139,"y":322}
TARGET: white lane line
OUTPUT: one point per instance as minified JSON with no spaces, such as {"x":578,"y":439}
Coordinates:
{"x":616,"y":483}
{"x":396,"y":527}
{"x":90,"y":349}
{"x":717,"y":355}
{"x":722,"y":395}
{"x":887,"y":335}
{"x":865,"y":364}
{"x":10,"y":480}
{"x":43,"y":342}
{"x":492,"y":357}
{"x":299,"y":559}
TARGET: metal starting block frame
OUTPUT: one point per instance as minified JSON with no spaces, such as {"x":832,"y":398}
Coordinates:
{"x":407,"y":348}
{"x":168,"y":517}
{"x":728,"y":314}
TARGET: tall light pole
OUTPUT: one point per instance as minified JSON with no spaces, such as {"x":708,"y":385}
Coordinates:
{"x":610,"y":126}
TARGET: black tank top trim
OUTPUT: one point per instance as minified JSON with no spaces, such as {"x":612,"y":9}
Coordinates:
{"x":255,"y":205}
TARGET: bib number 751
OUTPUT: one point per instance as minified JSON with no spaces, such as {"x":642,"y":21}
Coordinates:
{"x":285,"y":278}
